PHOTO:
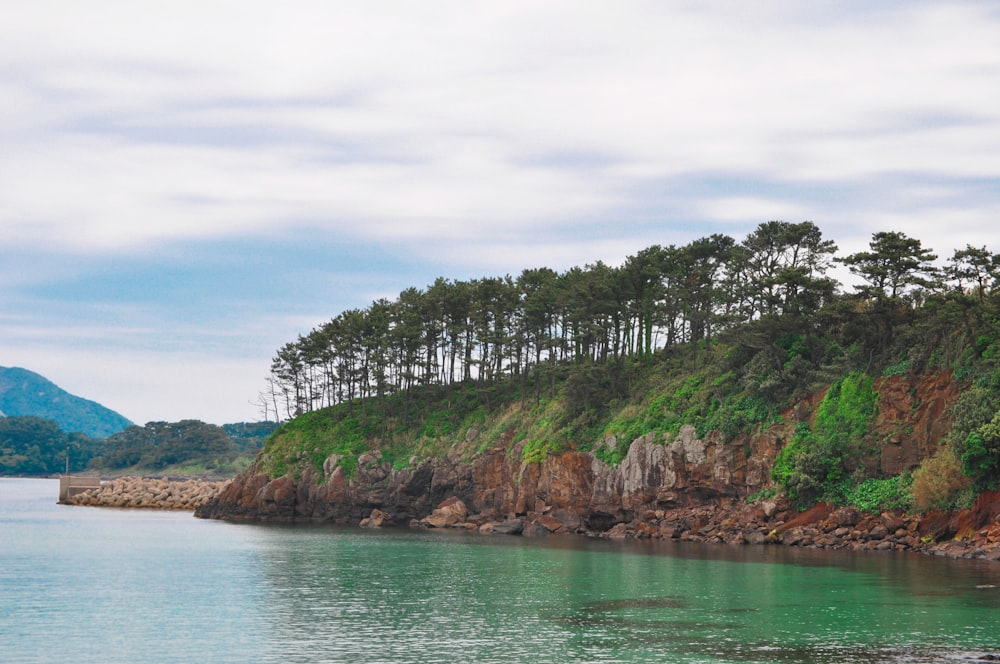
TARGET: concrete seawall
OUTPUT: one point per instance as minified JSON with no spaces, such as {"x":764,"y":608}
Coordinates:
{"x":73,"y":485}
{"x":147,"y":493}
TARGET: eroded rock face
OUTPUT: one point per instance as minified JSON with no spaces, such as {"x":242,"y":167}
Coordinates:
{"x":914,"y":417}
{"x":680,"y":486}
{"x":572,"y":491}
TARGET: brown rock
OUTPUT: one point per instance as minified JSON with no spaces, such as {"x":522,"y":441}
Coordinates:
{"x":377,"y":519}
{"x":550,"y":523}
{"x":845,"y":516}
{"x":878,"y":532}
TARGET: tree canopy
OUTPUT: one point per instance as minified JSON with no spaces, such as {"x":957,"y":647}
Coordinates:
{"x":768,"y":293}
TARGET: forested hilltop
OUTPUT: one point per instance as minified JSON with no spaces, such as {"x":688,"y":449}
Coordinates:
{"x":722,"y":336}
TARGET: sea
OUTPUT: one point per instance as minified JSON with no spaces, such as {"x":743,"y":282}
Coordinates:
{"x":87,"y":584}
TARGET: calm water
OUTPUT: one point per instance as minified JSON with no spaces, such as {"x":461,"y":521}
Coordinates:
{"x":91,"y":584}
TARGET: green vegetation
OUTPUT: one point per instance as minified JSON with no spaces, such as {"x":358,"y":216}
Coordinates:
{"x":939,"y":483}
{"x":36,"y":446}
{"x":718,"y":334}
{"x":188,"y":447}
{"x":880,"y":495}
{"x":823,"y":462}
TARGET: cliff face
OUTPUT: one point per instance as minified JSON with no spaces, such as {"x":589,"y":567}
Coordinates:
{"x":576,"y":491}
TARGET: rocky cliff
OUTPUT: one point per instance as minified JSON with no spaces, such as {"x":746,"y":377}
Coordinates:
{"x":682,"y":486}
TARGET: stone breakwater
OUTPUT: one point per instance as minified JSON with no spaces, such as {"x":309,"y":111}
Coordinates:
{"x":150,"y":493}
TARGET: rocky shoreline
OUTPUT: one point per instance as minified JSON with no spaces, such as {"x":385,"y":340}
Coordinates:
{"x":765,"y":523}
{"x":682,"y":491}
{"x":150,"y":493}
{"x":972,"y":533}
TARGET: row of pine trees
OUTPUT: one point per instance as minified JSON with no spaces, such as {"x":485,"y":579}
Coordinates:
{"x":773,"y":284}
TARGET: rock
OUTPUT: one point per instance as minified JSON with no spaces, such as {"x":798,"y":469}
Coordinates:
{"x":510,"y":527}
{"x":893,"y":523}
{"x":646,"y":530}
{"x":550,"y":523}
{"x":845,"y":516}
{"x":377,"y":519}
{"x":619,"y":531}
{"x":449,"y":513}
{"x":878,"y":532}
{"x":534,"y":529}
{"x":151,"y":493}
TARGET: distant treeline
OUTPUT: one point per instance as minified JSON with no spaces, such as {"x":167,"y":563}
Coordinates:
{"x":771,"y":295}
{"x":36,"y":446}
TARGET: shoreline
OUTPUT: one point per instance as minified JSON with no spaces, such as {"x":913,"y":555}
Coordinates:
{"x":765,"y":523}
{"x":770,"y":522}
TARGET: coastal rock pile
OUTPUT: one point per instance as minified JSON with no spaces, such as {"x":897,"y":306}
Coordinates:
{"x":767,"y":522}
{"x":150,"y":493}
{"x":962,"y":535}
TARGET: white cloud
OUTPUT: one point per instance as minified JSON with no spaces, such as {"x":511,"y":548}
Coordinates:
{"x":486,"y":137}
{"x":188,"y":385}
{"x":753,"y":210}
{"x":390,"y":119}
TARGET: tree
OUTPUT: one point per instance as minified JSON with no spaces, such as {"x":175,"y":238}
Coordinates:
{"x":644,"y":275}
{"x":895,"y":270}
{"x":894,"y":264}
{"x":974,"y":271}
{"x":160,"y":444}
{"x":786,"y":266}
{"x":36,"y":446}
{"x":981,"y":454}
{"x":704,"y":263}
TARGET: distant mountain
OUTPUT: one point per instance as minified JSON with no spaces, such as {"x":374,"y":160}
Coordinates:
{"x":24,"y":393}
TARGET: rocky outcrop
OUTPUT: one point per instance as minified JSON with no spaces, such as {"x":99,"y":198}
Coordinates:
{"x":685,"y":486}
{"x":913,"y":417}
{"x":569,"y":492}
{"x":150,"y":493}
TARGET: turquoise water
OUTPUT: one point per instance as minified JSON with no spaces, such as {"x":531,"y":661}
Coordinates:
{"x":91,"y":584}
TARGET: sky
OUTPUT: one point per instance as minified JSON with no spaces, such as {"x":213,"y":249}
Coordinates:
{"x":187,"y":186}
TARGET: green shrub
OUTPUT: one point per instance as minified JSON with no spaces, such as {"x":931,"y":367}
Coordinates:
{"x":879,"y":495}
{"x":939,"y":482}
{"x":537,"y":450}
{"x":980,"y":453}
{"x":818,"y":463}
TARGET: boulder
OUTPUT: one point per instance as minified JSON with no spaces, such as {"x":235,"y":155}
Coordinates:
{"x":449,"y":513}
{"x":377,"y":519}
{"x":509,"y":527}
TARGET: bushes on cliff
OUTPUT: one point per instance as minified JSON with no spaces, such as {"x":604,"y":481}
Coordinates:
{"x":981,"y":454}
{"x":939,"y":483}
{"x":975,"y":432}
{"x":822,"y":462}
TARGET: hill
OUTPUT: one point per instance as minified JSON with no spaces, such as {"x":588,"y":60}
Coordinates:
{"x":24,"y":393}
{"x":714,"y":375}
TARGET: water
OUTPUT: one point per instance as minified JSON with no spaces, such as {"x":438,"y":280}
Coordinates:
{"x":92,"y":584}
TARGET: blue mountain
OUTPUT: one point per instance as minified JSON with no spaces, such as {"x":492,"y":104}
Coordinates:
{"x":24,"y":393}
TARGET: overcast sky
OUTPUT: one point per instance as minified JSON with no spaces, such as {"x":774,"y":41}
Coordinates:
{"x":187,"y":186}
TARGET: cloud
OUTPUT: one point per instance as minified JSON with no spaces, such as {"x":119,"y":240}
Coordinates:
{"x":390,"y":121}
{"x":198,"y":180}
{"x":188,"y":385}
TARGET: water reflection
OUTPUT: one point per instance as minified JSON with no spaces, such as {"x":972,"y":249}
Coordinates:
{"x":347,"y":594}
